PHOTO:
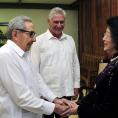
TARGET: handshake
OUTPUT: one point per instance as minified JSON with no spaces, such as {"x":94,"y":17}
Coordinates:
{"x":65,"y":107}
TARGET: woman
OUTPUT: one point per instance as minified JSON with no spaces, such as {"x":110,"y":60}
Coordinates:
{"x":102,"y":102}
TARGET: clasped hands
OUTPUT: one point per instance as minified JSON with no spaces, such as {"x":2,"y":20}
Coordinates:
{"x":65,"y":107}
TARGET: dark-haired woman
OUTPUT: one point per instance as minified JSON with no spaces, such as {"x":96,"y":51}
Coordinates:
{"x":102,"y":102}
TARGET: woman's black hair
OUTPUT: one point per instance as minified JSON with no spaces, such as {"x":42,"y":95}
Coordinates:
{"x":112,"y":23}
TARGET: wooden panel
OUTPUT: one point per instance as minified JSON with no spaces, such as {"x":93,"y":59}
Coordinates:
{"x":92,"y":24}
{"x":114,"y":7}
{"x":102,"y":13}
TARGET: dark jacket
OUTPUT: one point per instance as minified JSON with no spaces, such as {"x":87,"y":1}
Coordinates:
{"x":102,"y":102}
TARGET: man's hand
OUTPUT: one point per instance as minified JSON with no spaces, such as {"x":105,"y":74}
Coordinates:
{"x":62,"y":110}
{"x":73,"y":109}
{"x":58,"y":101}
{"x":64,"y":107}
{"x":63,"y":101}
{"x":67,"y":102}
{"x":65,"y":111}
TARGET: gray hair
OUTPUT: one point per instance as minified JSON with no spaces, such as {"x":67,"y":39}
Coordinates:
{"x":17,"y":23}
{"x":56,"y":10}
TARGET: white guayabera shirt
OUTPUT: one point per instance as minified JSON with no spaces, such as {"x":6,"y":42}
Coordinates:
{"x":57,"y":62}
{"x":20,"y":86}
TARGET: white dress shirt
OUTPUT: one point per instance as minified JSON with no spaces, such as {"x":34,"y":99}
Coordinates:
{"x":57,"y":62}
{"x":20,"y":86}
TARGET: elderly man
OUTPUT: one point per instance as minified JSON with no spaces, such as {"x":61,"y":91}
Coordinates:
{"x":20,"y":86}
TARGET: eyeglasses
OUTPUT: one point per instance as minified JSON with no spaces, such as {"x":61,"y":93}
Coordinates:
{"x":31,"y":33}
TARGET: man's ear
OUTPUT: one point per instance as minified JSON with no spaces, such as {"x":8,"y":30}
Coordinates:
{"x":49,"y":21}
{"x":14,"y":35}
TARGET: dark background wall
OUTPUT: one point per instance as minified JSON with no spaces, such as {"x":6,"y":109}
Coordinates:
{"x":92,"y":24}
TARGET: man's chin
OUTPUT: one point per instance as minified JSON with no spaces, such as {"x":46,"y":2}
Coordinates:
{"x":28,"y":47}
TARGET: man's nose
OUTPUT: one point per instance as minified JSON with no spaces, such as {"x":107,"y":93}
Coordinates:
{"x":59,"y":24}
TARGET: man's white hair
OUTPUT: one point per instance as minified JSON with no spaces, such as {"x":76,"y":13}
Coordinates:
{"x":56,"y":10}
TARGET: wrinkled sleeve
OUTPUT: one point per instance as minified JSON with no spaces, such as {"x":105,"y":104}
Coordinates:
{"x":44,"y":89}
{"x":13,"y":81}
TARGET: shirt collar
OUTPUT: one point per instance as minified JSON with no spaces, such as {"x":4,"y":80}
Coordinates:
{"x":16,"y":48}
{"x":50,"y":36}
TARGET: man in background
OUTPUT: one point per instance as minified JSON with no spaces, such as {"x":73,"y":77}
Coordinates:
{"x":54,"y":56}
